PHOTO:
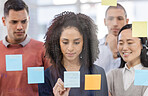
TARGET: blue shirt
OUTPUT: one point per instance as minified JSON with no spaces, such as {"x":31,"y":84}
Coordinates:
{"x":106,"y":60}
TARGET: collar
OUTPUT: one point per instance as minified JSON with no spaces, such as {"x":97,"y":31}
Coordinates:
{"x":136,"y":67}
{"x":24,"y":43}
{"x":103,"y":40}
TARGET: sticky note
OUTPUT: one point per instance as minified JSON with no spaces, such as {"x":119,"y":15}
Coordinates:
{"x":109,"y":2}
{"x":35,"y":75}
{"x":139,"y":29}
{"x":92,"y":82}
{"x":72,"y":79}
{"x":141,"y":77}
{"x":14,"y":62}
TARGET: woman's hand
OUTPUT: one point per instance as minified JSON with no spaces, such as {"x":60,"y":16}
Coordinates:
{"x":109,"y":94}
{"x":59,"y":90}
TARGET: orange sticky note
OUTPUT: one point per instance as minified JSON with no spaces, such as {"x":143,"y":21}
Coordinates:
{"x":139,"y":29}
{"x":93,"y":82}
{"x":109,"y":2}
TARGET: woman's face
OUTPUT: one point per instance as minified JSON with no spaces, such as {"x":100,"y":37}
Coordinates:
{"x":129,"y":47}
{"x":71,"y":43}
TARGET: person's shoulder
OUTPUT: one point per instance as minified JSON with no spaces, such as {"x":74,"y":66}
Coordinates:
{"x":36,"y":44}
{"x":145,"y":68}
{"x":97,"y":69}
{"x":36,"y":41}
{"x":48,"y":71}
{"x":115,"y":71}
{"x":1,"y":41}
{"x":102,"y":41}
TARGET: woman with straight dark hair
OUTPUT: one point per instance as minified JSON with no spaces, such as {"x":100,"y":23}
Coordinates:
{"x":72,"y":44}
{"x":133,"y":52}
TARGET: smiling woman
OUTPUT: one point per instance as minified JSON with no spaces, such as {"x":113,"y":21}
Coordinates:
{"x":72,"y":44}
{"x":133,"y":57}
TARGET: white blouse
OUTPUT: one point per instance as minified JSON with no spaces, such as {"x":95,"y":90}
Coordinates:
{"x":129,"y":76}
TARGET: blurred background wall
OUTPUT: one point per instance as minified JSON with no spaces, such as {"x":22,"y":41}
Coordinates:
{"x":43,"y":11}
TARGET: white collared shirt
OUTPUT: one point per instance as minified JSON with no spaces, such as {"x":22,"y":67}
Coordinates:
{"x":24,"y":43}
{"x":105,"y":57}
{"x":129,"y":76}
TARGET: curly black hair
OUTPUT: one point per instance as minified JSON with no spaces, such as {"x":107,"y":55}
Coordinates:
{"x":143,"y":55}
{"x":87,"y":29}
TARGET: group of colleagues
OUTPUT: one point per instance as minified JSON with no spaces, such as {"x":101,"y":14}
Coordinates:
{"x":71,"y":44}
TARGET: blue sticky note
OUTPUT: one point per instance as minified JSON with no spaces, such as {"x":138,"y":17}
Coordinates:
{"x":72,"y":79}
{"x":14,"y":62}
{"x":35,"y":75}
{"x":141,"y":77}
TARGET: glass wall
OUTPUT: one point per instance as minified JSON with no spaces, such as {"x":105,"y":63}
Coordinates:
{"x":43,"y":11}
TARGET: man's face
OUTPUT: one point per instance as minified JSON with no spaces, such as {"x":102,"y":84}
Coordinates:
{"x":115,"y":19}
{"x":17,"y":24}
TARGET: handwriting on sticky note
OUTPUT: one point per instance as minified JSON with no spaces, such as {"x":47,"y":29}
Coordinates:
{"x":72,"y":79}
{"x":14,"y":62}
{"x":92,"y":82}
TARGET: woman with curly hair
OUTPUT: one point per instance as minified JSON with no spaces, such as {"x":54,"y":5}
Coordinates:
{"x":72,"y":44}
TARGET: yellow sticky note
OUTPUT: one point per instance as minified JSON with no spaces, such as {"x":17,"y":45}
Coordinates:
{"x":109,"y":2}
{"x":139,"y":29}
{"x":93,"y":82}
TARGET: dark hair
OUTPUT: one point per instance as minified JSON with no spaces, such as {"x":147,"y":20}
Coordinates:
{"x":143,"y":55}
{"x":117,"y":7}
{"x":87,"y":29}
{"x":16,"y":5}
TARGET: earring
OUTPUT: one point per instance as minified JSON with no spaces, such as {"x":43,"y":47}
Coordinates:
{"x":118,"y":54}
{"x":146,"y":49}
{"x":146,"y":53}
{"x":80,"y":57}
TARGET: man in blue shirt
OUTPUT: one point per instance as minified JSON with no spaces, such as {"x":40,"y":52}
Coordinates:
{"x":115,"y":19}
